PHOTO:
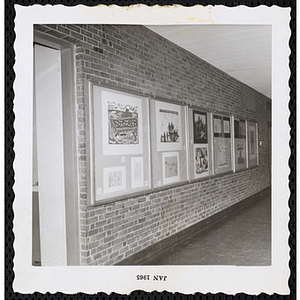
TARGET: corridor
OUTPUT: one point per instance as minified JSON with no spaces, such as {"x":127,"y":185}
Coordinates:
{"x":241,"y":238}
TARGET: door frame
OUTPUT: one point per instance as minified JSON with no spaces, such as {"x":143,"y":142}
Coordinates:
{"x":69,"y":143}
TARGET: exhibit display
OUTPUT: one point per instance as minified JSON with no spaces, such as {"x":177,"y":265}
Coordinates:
{"x":119,"y":143}
{"x":222,"y":144}
{"x":131,"y":152}
{"x":252,"y":144}
{"x":240,"y":144}
{"x":169,"y":145}
{"x":200,"y":149}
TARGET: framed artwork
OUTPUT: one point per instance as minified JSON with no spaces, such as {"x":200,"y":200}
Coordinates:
{"x":168,"y":126}
{"x":121,"y":123}
{"x":236,"y":129}
{"x":240,"y":144}
{"x":201,"y":161}
{"x":252,"y":144}
{"x":226,"y":126}
{"x":137,"y":172}
{"x":217,"y":126}
{"x":119,"y":138}
{"x":222,"y":144}
{"x":223,"y":153}
{"x":240,"y":150}
{"x":242,"y":129}
{"x":170,"y":166}
{"x":200,"y":127}
{"x":114,"y":179}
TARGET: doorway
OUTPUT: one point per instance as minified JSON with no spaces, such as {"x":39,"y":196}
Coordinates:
{"x":55,"y":218}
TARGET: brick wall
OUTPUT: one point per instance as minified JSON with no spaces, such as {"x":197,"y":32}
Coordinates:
{"x":137,"y":59}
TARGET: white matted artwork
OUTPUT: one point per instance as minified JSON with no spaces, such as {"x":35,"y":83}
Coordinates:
{"x":226,"y":124}
{"x":201,"y":161}
{"x":222,"y":153}
{"x":114,"y":179}
{"x":217,"y":125}
{"x":137,"y":172}
{"x":168,"y":126}
{"x":121,"y":123}
{"x":170,"y":161}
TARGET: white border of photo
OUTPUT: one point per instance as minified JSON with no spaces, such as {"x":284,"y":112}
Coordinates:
{"x":120,"y":279}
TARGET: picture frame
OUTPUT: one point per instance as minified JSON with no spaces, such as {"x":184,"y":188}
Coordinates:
{"x":222,"y":143}
{"x":121,"y":123}
{"x":240,"y":145}
{"x":168,"y":126}
{"x":129,"y":113}
{"x":201,"y":160}
{"x":137,"y":172}
{"x":170,"y":166}
{"x":114,"y":179}
{"x":200,"y":127}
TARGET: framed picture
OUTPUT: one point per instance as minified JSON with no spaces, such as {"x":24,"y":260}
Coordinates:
{"x":242,"y":129}
{"x":240,"y":150}
{"x":201,"y":161}
{"x":252,"y":129}
{"x":200,"y":127}
{"x":119,"y":139}
{"x":226,"y":125}
{"x":121,"y":123}
{"x":222,"y":144}
{"x":240,"y":144}
{"x":168,"y":126}
{"x":137,"y":172}
{"x":170,"y":165}
{"x":217,"y":126}
{"x":114,"y":179}
{"x":236,"y":129}
{"x":252,"y":142}
{"x":222,"y":153}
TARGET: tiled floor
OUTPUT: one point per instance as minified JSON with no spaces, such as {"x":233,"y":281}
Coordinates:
{"x":241,"y":238}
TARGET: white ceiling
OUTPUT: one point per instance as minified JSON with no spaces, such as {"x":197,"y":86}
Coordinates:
{"x":242,"y":51}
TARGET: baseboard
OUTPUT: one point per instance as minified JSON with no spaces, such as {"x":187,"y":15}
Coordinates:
{"x":146,"y":254}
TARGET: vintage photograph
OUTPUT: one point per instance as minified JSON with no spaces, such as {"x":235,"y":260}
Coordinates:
{"x":116,"y":127}
{"x":127,"y":170}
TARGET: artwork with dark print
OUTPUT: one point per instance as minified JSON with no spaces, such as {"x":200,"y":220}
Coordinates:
{"x":252,"y":142}
{"x":242,"y":129}
{"x":200,"y":127}
{"x":240,"y":149}
{"x":169,"y":126}
{"x":122,"y":124}
{"x":201,"y":160}
{"x":237,"y":129}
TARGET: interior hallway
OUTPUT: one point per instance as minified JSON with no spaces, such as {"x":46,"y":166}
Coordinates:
{"x":241,"y":238}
